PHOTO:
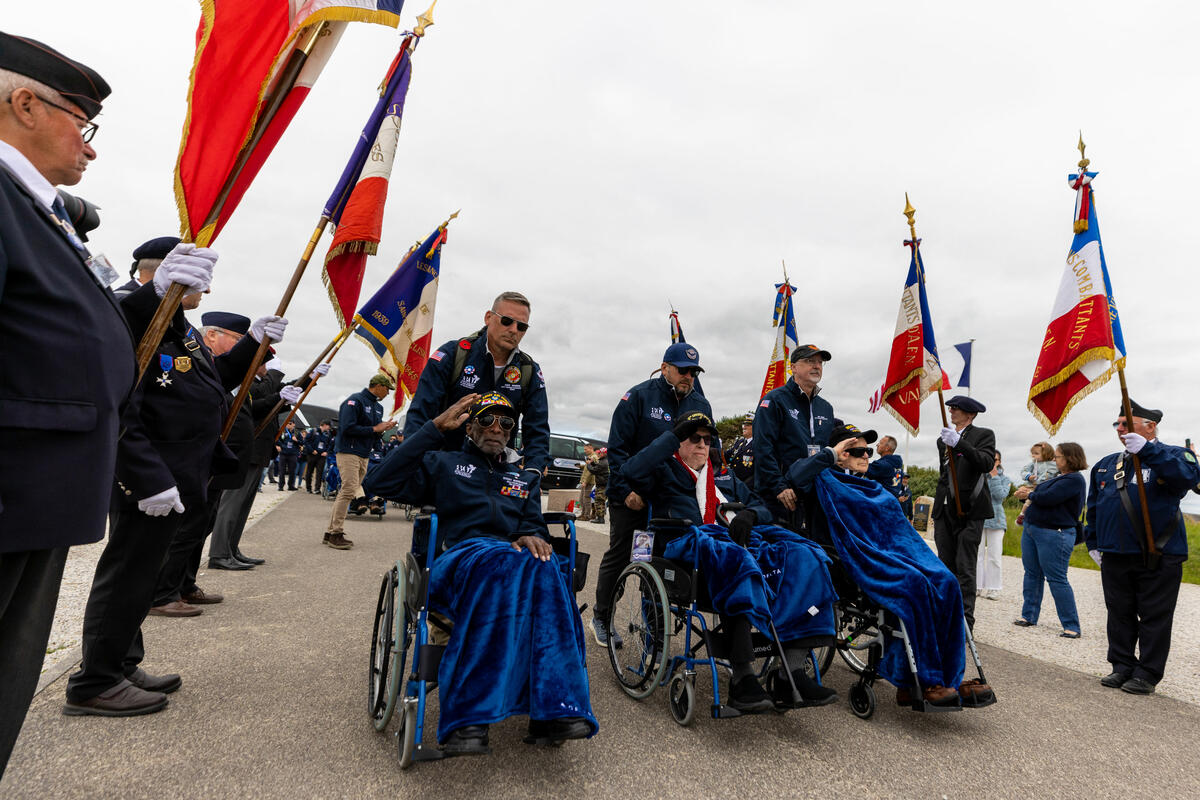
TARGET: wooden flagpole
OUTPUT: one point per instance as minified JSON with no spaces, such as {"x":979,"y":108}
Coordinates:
{"x":174,"y":294}
{"x":911,"y":213}
{"x":330,"y":350}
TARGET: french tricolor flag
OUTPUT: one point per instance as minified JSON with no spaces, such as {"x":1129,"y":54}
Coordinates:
{"x":356,"y":205}
{"x":1083,"y":345}
{"x":784,"y":320}
{"x":914,"y":369}
{"x":397,"y":322}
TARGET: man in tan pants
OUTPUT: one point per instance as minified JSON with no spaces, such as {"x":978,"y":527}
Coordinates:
{"x":360,"y":427}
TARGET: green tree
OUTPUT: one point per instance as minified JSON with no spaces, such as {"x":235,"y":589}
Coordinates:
{"x":729,"y":428}
{"x":922,"y":481}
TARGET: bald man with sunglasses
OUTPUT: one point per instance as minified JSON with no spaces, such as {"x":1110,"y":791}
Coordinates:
{"x":489,"y":360}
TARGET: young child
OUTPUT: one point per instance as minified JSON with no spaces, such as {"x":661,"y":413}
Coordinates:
{"x":1039,"y":470}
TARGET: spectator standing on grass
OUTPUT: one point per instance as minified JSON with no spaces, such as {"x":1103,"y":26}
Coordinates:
{"x":1052,"y":525}
{"x":991,"y":548}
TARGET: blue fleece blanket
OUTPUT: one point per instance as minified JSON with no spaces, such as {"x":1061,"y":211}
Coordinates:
{"x":517,"y":644}
{"x":894,"y":566}
{"x":778,"y":577}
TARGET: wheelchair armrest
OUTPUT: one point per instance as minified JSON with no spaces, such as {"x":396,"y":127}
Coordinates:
{"x":727,"y":511}
{"x":428,"y":509}
{"x":557,"y":517}
{"x":664,"y":523}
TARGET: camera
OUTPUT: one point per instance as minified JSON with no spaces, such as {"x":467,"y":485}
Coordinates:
{"x":84,"y":215}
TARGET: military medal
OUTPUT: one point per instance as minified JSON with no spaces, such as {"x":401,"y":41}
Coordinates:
{"x":166,"y":362}
{"x":183,"y":363}
{"x":164,"y":380}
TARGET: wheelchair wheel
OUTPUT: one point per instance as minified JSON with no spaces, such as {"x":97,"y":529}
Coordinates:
{"x":862,"y":700}
{"x":389,"y":646}
{"x":858,"y":640}
{"x":681,"y":696}
{"x":406,"y":737}
{"x":640,"y":616}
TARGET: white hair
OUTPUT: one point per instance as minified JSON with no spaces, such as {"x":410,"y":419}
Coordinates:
{"x":11,"y":81}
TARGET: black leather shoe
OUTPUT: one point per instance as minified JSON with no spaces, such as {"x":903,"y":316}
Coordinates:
{"x":122,"y":700}
{"x":154,"y":683}
{"x":556,"y":731}
{"x":1114,"y":680}
{"x":1137,"y":686}
{"x":228,"y":563}
{"x":747,"y":696}
{"x":469,"y":741}
{"x":238,"y":555}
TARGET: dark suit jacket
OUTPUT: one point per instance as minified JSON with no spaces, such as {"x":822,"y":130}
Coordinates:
{"x":174,"y":419}
{"x":974,"y":457}
{"x":66,"y":368}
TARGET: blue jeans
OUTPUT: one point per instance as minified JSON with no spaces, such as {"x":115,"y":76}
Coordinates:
{"x":1045,"y":553}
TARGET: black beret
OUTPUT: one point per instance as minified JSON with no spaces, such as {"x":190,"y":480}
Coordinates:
{"x":156,"y":248}
{"x":76,"y":82}
{"x":967,"y":404}
{"x":227,"y":320}
{"x":1152,"y":414}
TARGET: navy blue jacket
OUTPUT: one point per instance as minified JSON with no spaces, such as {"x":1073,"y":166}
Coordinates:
{"x":786,"y":425}
{"x":1057,"y":503}
{"x":1172,"y":472}
{"x":740,"y":457}
{"x":478,"y":376}
{"x":886,"y":471}
{"x":801,"y":476}
{"x":318,"y":442}
{"x":173,"y":421}
{"x":475,"y":495}
{"x":357,"y":417}
{"x":669,"y":489}
{"x":288,"y":444}
{"x":66,"y":368}
{"x":644,"y":413}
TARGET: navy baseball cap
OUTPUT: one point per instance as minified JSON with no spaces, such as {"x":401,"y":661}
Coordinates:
{"x":809,"y":350}
{"x":682,"y":354}
{"x":78,"y":83}
{"x":843,"y":432}
{"x":235,"y":323}
{"x":967,"y":404}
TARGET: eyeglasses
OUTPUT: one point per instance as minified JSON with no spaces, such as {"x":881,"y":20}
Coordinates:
{"x":860,"y":452}
{"x":508,"y":321}
{"x":696,"y":438}
{"x":488,"y":420}
{"x":89,"y":128}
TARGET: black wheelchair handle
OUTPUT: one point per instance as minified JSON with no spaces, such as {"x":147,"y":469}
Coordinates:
{"x":428,"y":509}
{"x":664,"y":522}
{"x":734,"y":507}
{"x":552,"y":517}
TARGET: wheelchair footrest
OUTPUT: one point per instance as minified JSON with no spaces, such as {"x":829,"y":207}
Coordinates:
{"x":984,"y":702}
{"x":929,"y":708}
{"x":424,"y":752}
{"x":724,"y":712}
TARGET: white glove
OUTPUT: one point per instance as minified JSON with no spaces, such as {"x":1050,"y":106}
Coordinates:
{"x":1134,"y":442}
{"x":271,"y":327}
{"x":290,"y":394}
{"x":1096,"y":556}
{"x":321,"y":370}
{"x":950,"y":436}
{"x":274,"y":364}
{"x":161,"y":504}
{"x":187,"y":264}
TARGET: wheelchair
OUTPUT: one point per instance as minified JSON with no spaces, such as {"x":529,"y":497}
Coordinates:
{"x":332,"y":478}
{"x":864,"y":630}
{"x":654,"y":601}
{"x":403,"y":668}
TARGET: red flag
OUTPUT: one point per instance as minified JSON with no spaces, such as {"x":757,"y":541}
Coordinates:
{"x":241,"y":47}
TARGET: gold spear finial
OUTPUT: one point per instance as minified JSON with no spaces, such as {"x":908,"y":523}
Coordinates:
{"x":452,"y":216}
{"x":423,"y":22}
{"x":1083,"y":162}
{"x":911,"y":213}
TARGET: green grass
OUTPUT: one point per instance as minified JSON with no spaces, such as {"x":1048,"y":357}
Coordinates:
{"x":1080,"y":558}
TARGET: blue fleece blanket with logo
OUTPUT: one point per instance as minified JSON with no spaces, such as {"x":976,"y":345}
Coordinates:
{"x":894,"y":566}
{"x":517,"y":644}
{"x":778,"y":577}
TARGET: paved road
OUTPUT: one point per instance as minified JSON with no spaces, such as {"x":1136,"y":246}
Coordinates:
{"x":273,"y":706}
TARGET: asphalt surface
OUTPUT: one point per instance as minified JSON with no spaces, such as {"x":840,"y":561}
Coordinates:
{"x":273,"y":705}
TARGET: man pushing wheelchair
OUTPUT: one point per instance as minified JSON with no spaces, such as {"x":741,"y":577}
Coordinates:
{"x":516,"y":646}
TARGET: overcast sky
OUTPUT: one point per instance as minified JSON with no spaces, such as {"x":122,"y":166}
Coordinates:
{"x":611,"y":159}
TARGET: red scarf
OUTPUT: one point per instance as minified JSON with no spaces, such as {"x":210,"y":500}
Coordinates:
{"x":710,"y":490}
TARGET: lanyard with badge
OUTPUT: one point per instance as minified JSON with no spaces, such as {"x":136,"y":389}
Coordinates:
{"x":98,"y":263}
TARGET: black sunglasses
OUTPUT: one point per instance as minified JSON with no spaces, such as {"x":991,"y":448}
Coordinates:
{"x":696,"y":438}
{"x":507,"y":321}
{"x":693,"y":371}
{"x":88,"y":131}
{"x":488,"y":420}
{"x":860,"y":452}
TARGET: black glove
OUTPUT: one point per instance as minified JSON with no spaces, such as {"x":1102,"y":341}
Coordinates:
{"x":687,"y":427}
{"x":739,"y":527}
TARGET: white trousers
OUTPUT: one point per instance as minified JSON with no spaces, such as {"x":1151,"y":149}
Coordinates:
{"x":987,"y":570}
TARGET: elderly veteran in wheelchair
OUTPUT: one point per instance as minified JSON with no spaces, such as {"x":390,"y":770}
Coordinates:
{"x":755,"y":575}
{"x":516,"y":646}
{"x":879,"y":553}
